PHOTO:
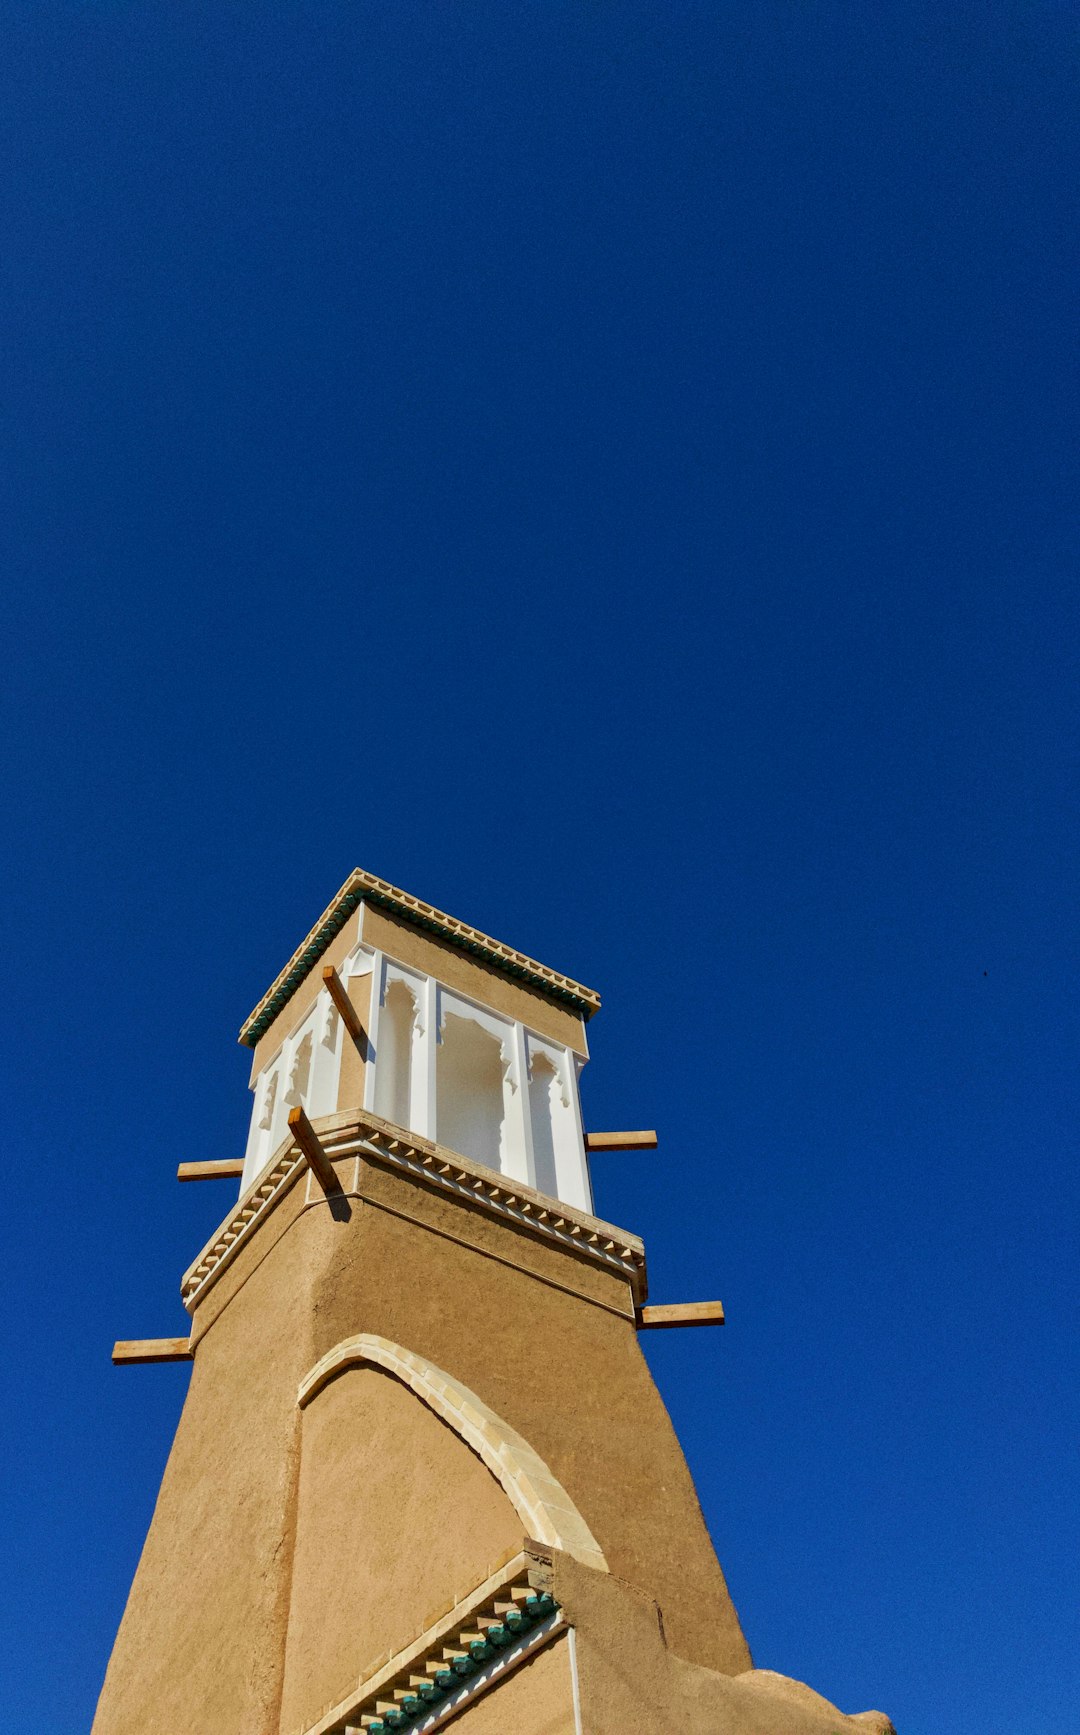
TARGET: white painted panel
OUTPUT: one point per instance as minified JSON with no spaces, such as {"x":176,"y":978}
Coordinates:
{"x":326,"y":1064}
{"x":470,"y":1108}
{"x":394,"y":1066}
{"x":558,"y":1143}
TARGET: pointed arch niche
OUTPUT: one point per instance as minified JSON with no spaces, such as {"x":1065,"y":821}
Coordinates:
{"x":472,"y":1084}
{"x":545,"y":1508}
{"x":543,"y":1083}
{"x":394,"y":1073}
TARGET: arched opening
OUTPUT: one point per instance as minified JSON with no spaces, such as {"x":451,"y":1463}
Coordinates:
{"x":543,"y":1083}
{"x":393,"y":1062}
{"x":300,"y":1073}
{"x":469,"y":1108}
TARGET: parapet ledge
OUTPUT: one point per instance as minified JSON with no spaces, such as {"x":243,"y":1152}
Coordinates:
{"x":365,"y":1136}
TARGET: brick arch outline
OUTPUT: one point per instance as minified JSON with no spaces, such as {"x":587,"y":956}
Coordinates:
{"x":541,"y":1502}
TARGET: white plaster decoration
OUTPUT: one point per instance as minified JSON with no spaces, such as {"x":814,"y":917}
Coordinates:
{"x":262,"y":1115}
{"x":358,"y":963}
{"x":526,"y":1169}
{"x":558,"y":1139}
{"x":393,"y":1073}
{"x":499,"y":1092}
{"x":469,"y":1086}
{"x":574,"y":1064}
{"x":326,"y":1064}
{"x":541,"y":1082}
{"x":562,"y":1071}
{"x":425,"y":1060}
{"x":377,"y":988}
{"x":470,"y":1090}
{"x":299,"y":1072}
{"x":396,"y":1080}
{"x":269,"y":1096}
{"x":308,"y":1071}
{"x":461,"y":1006}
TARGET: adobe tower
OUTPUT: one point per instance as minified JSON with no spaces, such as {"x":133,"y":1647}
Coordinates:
{"x":423,"y":1476}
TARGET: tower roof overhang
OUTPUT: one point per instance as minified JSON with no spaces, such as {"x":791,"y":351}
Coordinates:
{"x":362,"y":887}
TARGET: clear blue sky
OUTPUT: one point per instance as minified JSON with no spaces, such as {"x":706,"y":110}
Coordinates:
{"x":609,"y":468}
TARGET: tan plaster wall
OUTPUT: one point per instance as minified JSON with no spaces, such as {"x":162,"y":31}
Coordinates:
{"x":528,"y":1327}
{"x":631,"y":1683}
{"x":306,"y":995}
{"x":494,"y":1239}
{"x":469,"y":975}
{"x":201,"y":1644}
{"x":397,"y":1520}
{"x":567,"y":1375}
{"x":537,"y":1699}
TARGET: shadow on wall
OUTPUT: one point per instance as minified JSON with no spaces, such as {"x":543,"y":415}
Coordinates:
{"x":543,"y":1083}
{"x":469,"y":1091}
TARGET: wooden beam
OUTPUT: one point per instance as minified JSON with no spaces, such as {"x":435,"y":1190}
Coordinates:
{"x":620,"y":1141}
{"x":227,"y":1169}
{"x":349,"y":1015}
{"x":680,"y":1313}
{"x":308,"y":1139}
{"x":147,"y":1349}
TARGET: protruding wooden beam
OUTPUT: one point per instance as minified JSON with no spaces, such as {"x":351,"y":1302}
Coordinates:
{"x":147,"y":1349}
{"x":226,"y":1169}
{"x":680,"y":1313}
{"x":349,"y":1015}
{"x":308,"y":1140}
{"x":620,"y":1141}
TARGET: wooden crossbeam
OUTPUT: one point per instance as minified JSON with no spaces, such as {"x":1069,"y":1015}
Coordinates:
{"x":148,"y":1349}
{"x":308,"y":1139}
{"x":680,"y":1313}
{"x":620,"y":1141}
{"x":225,"y":1169}
{"x":349,"y":1015}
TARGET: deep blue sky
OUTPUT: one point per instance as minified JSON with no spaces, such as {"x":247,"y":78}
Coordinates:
{"x":609,"y":468}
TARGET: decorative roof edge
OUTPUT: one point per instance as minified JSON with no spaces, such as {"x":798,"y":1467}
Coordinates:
{"x":363,"y":1135}
{"x":363,"y":887}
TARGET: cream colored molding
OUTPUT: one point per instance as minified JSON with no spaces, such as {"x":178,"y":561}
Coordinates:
{"x":373,"y":1139}
{"x":360,"y":887}
{"x":266,"y":1191}
{"x":540,"y":1501}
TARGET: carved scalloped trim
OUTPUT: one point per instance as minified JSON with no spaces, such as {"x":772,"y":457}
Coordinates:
{"x":372,"y":1137}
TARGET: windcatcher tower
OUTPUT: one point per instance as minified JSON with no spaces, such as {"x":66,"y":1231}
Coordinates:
{"x":423,"y":1476}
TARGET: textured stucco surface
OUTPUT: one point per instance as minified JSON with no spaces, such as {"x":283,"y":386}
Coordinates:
{"x":396,"y":1517}
{"x":202,"y":1641}
{"x":631,"y":1683}
{"x":544,"y":1337}
{"x":568,"y":1376}
{"x":537,"y":1699}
